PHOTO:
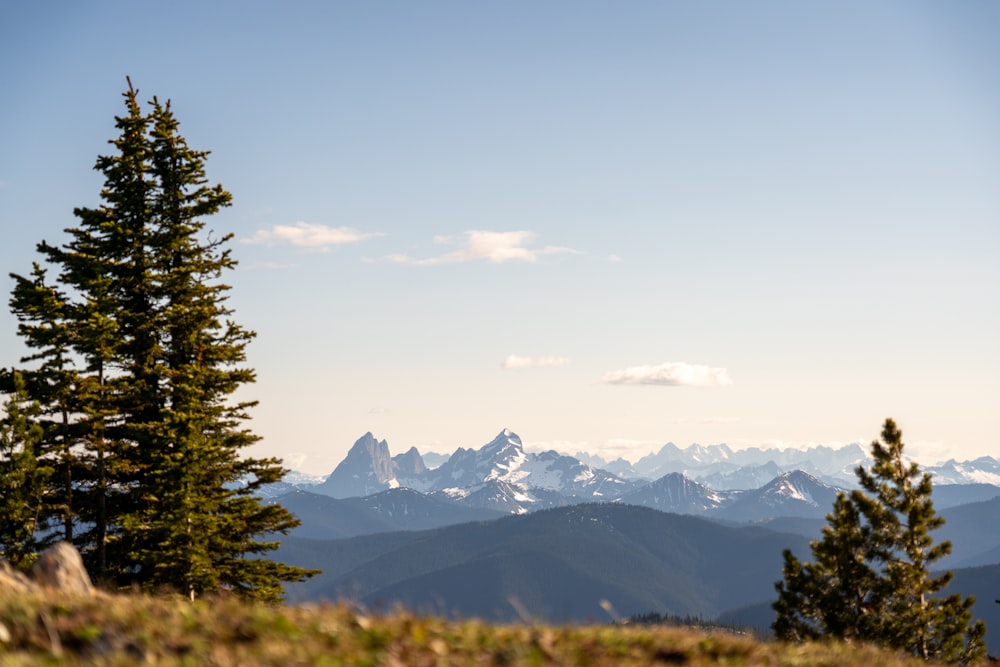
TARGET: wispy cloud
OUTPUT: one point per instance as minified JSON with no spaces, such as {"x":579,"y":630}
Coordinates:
{"x":308,"y":236}
{"x":515,"y":362}
{"x":631,"y":450}
{"x":294,"y":460}
{"x":479,"y":245}
{"x":928,"y":452}
{"x":673,"y":374}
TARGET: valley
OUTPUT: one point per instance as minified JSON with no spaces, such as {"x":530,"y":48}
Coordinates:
{"x":503,"y":534}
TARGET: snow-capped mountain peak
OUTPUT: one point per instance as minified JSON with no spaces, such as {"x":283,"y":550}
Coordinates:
{"x":984,"y":470}
{"x":795,"y":485}
{"x":505,"y":438}
{"x":793,"y":493}
{"x":711,"y":479}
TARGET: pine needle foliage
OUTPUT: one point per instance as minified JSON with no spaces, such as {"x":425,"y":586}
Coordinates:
{"x":870,"y":579}
{"x":137,"y":360}
{"x":22,"y":480}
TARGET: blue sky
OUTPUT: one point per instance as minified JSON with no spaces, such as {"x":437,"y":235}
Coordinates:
{"x":603,"y":225}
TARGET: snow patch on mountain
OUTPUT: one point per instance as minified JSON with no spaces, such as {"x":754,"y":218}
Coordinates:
{"x":745,"y":485}
{"x":984,"y":470}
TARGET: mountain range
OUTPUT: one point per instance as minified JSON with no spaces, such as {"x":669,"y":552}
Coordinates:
{"x":746,"y":485}
{"x":505,"y":534}
{"x":723,"y":468}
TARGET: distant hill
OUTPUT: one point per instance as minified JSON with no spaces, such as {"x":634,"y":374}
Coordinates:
{"x":951,"y":495}
{"x":983,"y":583}
{"x":557,"y":564}
{"x":790,"y":494}
{"x":324,"y":517}
{"x":676,"y":493}
{"x":974,"y":531}
{"x":809,"y":527}
{"x":971,"y":529}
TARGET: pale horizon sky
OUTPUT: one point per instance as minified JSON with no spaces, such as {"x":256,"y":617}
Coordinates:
{"x":605,"y":226}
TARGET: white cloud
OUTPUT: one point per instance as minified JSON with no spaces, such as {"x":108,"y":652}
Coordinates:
{"x":493,"y":247}
{"x":926,"y":452}
{"x":308,"y":236}
{"x":515,"y":362}
{"x":294,"y":460}
{"x":673,"y":374}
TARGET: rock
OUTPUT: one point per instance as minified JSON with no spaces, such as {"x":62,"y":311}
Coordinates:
{"x":61,"y":567}
{"x":409,"y":464}
{"x":11,"y":579}
{"x":366,"y":470}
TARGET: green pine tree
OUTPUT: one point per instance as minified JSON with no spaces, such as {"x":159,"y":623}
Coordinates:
{"x":162,"y":484}
{"x":811,"y":604}
{"x":22,"y":480}
{"x":870,"y":579}
{"x":54,"y":383}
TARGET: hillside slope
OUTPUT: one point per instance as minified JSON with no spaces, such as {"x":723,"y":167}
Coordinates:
{"x":324,"y":517}
{"x":558,"y":565}
{"x":117,"y":630}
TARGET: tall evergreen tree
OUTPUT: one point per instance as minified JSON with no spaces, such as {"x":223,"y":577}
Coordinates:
{"x":870,"y":579}
{"x":167,"y":497}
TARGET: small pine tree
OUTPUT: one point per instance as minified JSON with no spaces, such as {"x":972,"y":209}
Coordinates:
{"x":42,"y":311}
{"x":22,"y":480}
{"x":870,"y":579}
{"x":809,"y":605}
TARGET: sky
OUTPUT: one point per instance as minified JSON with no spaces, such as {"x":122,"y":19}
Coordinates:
{"x":603,"y":225}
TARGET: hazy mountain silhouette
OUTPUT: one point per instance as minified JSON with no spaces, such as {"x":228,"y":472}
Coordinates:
{"x":324,"y":517}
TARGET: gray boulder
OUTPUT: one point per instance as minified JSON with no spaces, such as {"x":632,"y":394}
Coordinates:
{"x":61,"y":567}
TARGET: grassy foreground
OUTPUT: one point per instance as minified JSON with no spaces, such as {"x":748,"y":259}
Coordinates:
{"x":130,"y":630}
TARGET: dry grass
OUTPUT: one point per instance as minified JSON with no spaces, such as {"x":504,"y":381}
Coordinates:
{"x":141,"y":630}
